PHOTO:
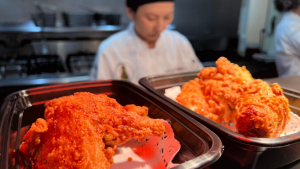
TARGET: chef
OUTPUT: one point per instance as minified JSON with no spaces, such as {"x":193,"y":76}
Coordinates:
{"x":287,"y":38}
{"x":146,"y":47}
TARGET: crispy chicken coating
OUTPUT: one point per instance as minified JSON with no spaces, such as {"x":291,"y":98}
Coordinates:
{"x":228,"y":93}
{"x":82,"y":131}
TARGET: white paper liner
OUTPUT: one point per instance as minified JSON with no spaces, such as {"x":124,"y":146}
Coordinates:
{"x":173,"y":92}
{"x":152,"y":153}
{"x":292,"y":127}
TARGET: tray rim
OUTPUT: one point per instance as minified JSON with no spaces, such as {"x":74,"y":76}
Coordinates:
{"x":216,"y":127}
{"x":214,"y":152}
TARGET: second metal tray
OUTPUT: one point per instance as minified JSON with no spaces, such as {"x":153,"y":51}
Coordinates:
{"x":240,"y":151}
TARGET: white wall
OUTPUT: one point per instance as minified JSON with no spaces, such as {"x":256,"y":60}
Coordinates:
{"x":252,"y":21}
{"x":269,"y":38}
{"x":257,"y":19}
{"x":242,"y":30}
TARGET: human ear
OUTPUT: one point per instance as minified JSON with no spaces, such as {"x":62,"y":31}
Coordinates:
{"x":130,"y":13}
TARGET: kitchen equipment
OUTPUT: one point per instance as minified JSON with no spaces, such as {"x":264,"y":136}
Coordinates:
{"x":199,"y":146}
{"x":44,"y":19}
{"x":101,"y":18}
{"x":111,"y":19}
{"x":78,"y":20}
{"x":240,"y":151}
{"x":80,"y":63}
{"x":48,"y":64}
{"x":21,"y":67}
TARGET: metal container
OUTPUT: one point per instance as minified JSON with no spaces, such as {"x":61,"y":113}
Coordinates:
{"x":44,"y":19}
{"x":78,"y":20}
{"x":240,"y":151}
{"x":200,"y":147}
{"x":112,"y":19}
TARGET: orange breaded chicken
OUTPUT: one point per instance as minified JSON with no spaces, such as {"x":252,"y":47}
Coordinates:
{"x":83,"y":130}
{"x":228,"y":93}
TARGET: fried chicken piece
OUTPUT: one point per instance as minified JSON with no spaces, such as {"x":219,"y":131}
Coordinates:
{"x":208,"y":95}
{"x":228,"y":93}
{"x":192,"y":97}
{"x":77,"y":129}
{"x":226,"y":71}
{"x":262,"y":111}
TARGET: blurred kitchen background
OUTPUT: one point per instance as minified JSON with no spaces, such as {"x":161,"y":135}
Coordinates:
{"x":46,"y":42}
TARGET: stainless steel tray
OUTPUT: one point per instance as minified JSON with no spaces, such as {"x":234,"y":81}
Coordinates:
{"x":200,"y":147}
{"x":240,"y":151}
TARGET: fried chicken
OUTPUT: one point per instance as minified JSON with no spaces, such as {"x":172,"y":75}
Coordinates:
{"x":228,"y":93}
{"x":77,"y":129}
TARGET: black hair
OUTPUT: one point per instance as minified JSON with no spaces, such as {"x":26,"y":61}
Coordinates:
{"x":130,"y":5}
{"x":135,"y":4}
{"x":286,"y":5}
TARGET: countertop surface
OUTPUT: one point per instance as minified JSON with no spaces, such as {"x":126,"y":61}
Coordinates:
{"x":291,"y":82}
{"x":28,"y":31}
{"x":18,"y":32}
{"x":44,"y":80}
{"x":29,"y":27}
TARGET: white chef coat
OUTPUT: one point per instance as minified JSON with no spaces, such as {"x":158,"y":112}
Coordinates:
{"x":287,"y":41}
{"x":126,"y":52}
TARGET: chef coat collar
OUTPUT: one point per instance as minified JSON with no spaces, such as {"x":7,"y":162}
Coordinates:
{"x":292,"y":16}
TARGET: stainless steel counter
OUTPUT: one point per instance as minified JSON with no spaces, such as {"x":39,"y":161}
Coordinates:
{"x":291,"y":82}
{"x":44,"y":80}
{"x":29,"y":27}
{"x":8,"y":86}
{"x":28,"y":32}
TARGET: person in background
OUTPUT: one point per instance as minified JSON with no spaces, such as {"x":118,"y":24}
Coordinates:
{"x":146,"y":47}
{"x":287,"y":38}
